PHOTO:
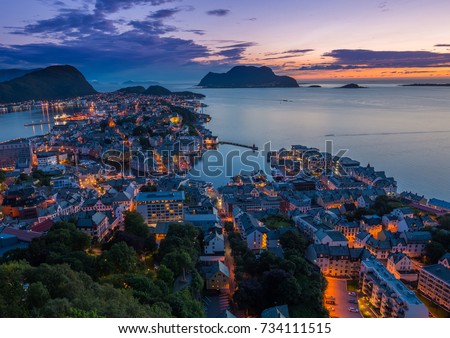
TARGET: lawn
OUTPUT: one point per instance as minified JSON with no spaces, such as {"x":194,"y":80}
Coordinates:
{"x":433,"y":308}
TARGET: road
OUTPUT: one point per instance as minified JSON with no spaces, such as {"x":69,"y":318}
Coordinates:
{"x":338,"y":289}
{"x":229,"y":262}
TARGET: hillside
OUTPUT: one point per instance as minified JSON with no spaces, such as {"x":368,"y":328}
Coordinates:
{"x":54,"y":82}
{"x":247,"y":77}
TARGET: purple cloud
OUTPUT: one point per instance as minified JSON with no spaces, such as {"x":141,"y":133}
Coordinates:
{"x":362,"y":58}
{"x":112,"y":6}
{"x":218,"y":12}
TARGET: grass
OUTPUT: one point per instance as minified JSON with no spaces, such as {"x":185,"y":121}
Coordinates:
{"x":433,"y":308}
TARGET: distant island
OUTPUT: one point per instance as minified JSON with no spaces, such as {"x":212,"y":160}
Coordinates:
{"x":351,"y":86}
{"x":247,"y":77}
{"x":426,"y":85}
{"x":51,"y":83}
{"x":315,"y":86}
{"x":159,"y":91}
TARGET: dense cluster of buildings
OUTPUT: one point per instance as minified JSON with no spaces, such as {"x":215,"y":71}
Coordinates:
{"x":123,"y":152}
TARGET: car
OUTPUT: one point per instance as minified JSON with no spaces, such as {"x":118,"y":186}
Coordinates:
{"x":330,"y":308}
{"x":330,"y":297}
{"x":351,"y":293}
{"x":353,"y":301}
{"x":331,"y":302}
{"x":353,"y":309}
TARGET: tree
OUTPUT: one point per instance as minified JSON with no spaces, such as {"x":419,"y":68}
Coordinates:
{"x":2,"y":176}
{"x":119,"y":259}
{"x":135,"y":224}
{"x":179,"y":262}
{"x":381,"y":205}
{"x":433,"y":252}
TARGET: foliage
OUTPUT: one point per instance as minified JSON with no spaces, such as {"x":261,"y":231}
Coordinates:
{"x":267,"y":280}
{"x":2,"y":176}
{"x":135,"y":224}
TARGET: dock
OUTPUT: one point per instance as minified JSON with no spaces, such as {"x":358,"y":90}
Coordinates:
{"x":253,"y":147}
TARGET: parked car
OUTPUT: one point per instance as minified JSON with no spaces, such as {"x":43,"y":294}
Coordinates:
{"x":353,"y":301}
{"x":353,"y":309}
{"x":330,"y":308}
{"x":331,"y":302}
{"x":351,"y":293}
{"x":330,"y":297}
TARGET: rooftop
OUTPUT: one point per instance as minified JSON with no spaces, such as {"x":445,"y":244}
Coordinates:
{"x":159,"y":196}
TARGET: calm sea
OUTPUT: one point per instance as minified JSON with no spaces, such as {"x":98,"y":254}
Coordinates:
{"x":404,"y":131}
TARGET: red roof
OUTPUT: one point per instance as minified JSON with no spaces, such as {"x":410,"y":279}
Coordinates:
{"x":43,"y":226}
{"x":22,"y":235}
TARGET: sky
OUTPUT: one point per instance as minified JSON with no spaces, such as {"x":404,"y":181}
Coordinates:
{"x":182,"y":40}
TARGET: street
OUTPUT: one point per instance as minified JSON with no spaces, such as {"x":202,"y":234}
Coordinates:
{"x":337,"y":288}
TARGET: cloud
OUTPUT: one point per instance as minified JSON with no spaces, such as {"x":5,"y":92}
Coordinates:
{"x":218,"y":12}
{"x":287,"y":54}
{"x":442,"y":45}
{"x":164,"y":13}
{"x":362,"y":58}
{"x":196,"y":31}
{"x":69,"y":23}
{"x":168,"y":12}
{"x":112,"y":6}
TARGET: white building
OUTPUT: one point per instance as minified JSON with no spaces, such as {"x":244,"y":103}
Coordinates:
{"x":389,"y":297}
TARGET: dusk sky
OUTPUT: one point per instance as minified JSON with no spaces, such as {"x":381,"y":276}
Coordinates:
{"x":181,"y":40}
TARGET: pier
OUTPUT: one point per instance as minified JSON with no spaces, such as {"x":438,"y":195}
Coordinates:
{"x":38,"y":123}
{"x":253,"y":147}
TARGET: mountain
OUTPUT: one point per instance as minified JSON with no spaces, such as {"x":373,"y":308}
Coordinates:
{"x":351,"y":86}
{"x":54,"y":82}
{"x":132,"y":90}
{"x":157,"y":91}
{"x":9,"y":74}
{"x":247,"y":77}
{"x":161,"y":91}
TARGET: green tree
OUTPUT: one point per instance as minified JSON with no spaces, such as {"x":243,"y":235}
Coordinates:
{"x":135,"y":224}
{"x":2,"y":176}
{"x":119,"y":259}
{"x":433,"y":252}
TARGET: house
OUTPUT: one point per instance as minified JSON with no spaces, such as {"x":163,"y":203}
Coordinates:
{"x":160,"y":231}
{"x":214,"y":244}
{"x":401,"y":267}
{"x":348,"y":229}
{"x":416,"y":242}
{"x":364,"y":201}
{"x":390,"y":222}
{"x":403,"y":213}
{"x":279,"y":311}
{"x":217,"y":276}
{"x":330,"y":237}
{"x":361,"y":239}
{"x":371,"y":224}
{"x":410,"y":224}
{"x":434,"y":282}
{"x":439,"y":204}
{"x":337,"y":261}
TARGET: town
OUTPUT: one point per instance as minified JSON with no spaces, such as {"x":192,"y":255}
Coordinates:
{"x":106,"y":200}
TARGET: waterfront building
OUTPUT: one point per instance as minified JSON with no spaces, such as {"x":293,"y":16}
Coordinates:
{"x":161,"y":206}
{"x":15,"y":152}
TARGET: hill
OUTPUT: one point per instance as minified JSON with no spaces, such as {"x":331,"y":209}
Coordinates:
{"x":9,"y":74}
{"x":54,"y":82}
{"x":132,"y":90}
{"x":161,"y":91}
{"x":351,"y":86}
{"x":247,"y":77}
